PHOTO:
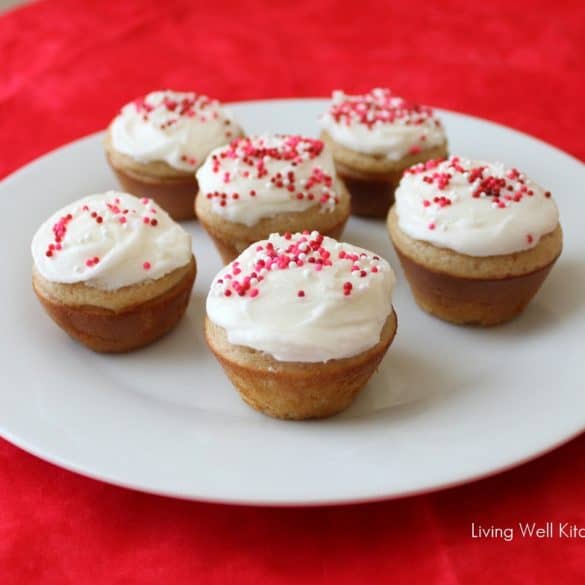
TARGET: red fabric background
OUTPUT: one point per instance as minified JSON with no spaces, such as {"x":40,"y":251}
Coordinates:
{"x":65,"y":68}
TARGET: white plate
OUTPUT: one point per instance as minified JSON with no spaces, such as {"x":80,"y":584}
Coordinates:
{"x":448,"y":405}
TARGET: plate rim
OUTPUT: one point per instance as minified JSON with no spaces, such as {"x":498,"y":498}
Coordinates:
{"x":462,"y":479}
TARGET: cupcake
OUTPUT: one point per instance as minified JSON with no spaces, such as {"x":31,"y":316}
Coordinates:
{"x":475,"y":239}
{"x":266,"y":184}
{"x":374,"y":138}
{"x":300,"y":322}
{"x":113,"y":271}
{"x":157,"y":142}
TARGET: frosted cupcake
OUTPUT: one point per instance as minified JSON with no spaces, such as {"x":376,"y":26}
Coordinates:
{"x":267,"y":184}
{"x":113,"y":271}
{"x":300,"y":323}
{"x":374,"y":137}
{"x":476,"y":240}
{"x":157,"y":142}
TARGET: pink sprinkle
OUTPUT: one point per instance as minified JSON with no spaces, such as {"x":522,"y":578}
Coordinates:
{"x":147,"y":266}
{"x":301,"y":293}
{"x":253,"y":292}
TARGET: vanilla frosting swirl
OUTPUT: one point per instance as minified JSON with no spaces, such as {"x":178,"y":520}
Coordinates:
{"x":381,"y":123}
{"x":262,"y":176}
{"x":179,"y":128}
{"x":303,"y":298}
{"x":109,"y":240}
{"x":474,"y":207}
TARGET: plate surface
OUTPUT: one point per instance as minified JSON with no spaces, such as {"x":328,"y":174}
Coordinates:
{"x":447,"y":405}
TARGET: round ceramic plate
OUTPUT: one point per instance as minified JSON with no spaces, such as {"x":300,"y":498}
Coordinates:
{"x":448,"y":404}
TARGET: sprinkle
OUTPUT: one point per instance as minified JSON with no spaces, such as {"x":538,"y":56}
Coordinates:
{"x":90,"y":262}
{"x":147,"y":265}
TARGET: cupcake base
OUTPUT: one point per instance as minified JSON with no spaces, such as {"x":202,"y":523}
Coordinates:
{"x":117,"y":331}
{"x":370,"y":196}
{"x":294,"y":390}
{"x":230,"y":250}
{"x":467,"y":301}
{"x":372,"y":179}
{"x":174,"y":194}
{"x":232,"y":238}
{"x":469,"y":290}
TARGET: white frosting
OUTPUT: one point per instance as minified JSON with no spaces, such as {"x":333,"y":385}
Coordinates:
{"x":380,"y":123}
{"x":132,"y":239}
{"x":316,"y":308}
{"x":262,"y":176}
{"x":452,"y":204}
{"x":180,"y":128}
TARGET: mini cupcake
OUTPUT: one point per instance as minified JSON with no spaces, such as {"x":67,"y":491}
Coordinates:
{"x":300,"y":323}
{"x":113,"y":271}
{"x":266,"y":184}
{"x":374,"y":138}
{"x":475,"y":239}
{"x":157,"y":142}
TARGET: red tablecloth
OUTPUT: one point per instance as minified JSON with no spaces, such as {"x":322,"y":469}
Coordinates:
{"x":65,"y":68}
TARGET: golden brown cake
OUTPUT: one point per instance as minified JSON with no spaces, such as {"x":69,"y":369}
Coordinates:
{"x":156,"y":143}
{"x":300,"y":323}
{"x":269,"y":184}
{"x":373,"y":138}
{"x":476,"y":240}
{"x":113,"y":271}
